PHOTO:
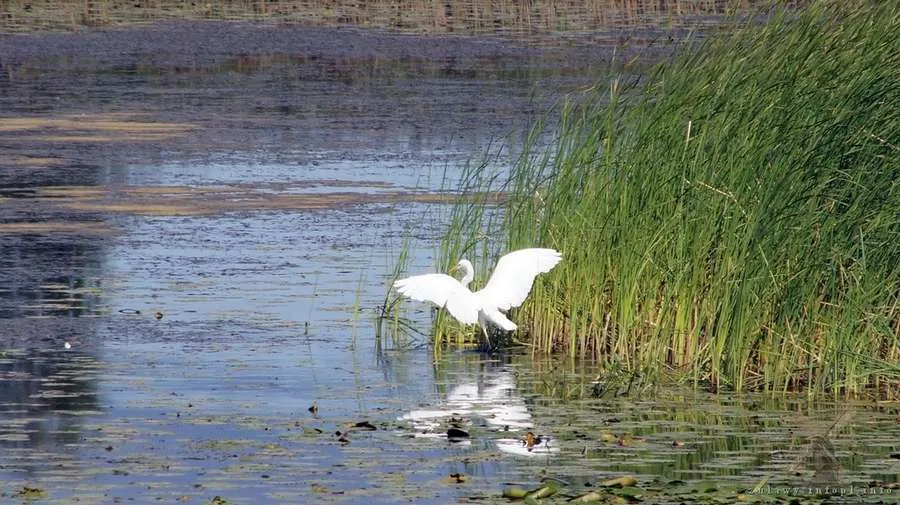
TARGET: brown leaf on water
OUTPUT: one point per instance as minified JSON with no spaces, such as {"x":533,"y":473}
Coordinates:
{"x":530,"y":440}
{"x":31,"y":493}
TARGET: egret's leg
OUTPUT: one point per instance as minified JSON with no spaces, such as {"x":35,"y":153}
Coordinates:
{"x":487,"y":338}
{"x":482,"y":323}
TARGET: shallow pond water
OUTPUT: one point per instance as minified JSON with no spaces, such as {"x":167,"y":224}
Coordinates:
{"x":196,"y":229}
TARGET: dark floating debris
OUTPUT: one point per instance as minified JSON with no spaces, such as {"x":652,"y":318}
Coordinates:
{"x":313,"y":409}
{"x":158,"y":316}
{"x":365,"y":425}
{"x":456,"y":434}
{"x":456,"y":478}
{"x":129,"y":311}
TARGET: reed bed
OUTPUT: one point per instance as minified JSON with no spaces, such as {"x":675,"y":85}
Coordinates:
{"x":735,"y":217}
{"x":466,"y":16}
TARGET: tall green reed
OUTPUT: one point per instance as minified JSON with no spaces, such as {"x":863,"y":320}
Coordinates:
{"x":735,"y":216}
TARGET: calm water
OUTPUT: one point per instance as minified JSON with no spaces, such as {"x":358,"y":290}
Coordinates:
{"x":254,"y":187}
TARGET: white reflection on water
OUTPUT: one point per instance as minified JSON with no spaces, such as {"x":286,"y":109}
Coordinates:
{"x":494,"y":400}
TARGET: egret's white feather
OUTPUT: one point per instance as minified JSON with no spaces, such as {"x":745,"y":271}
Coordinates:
{"x":514,"y":275}
{"x":508,"y":287}
{"x":443,"y":291}
{"x":498,"y":318}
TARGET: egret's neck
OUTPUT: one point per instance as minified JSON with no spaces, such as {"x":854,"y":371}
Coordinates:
{"x":468,"y":272}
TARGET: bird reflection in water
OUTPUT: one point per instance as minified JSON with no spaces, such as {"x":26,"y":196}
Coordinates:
{"x":493,"y":400}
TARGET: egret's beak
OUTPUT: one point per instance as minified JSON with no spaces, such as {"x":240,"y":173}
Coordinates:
{"x":454,"y":269}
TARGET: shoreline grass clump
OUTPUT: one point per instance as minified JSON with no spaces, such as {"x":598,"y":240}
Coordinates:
{"x":735,"y":217}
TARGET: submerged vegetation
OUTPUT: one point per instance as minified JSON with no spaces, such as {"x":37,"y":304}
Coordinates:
{"x":735,"y":216}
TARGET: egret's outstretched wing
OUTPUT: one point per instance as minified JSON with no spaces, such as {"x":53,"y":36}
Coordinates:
{"x":512,"y":279}
{"x":443,"y":291}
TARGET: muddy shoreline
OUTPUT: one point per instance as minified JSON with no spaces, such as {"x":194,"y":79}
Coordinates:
{"x":507,"y":18}
{"x":174,"y":44}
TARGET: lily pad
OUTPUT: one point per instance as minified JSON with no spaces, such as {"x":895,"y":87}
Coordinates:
{"x":591,"y":497}
{"x":624,"y":481}
{"x":515,"y":493}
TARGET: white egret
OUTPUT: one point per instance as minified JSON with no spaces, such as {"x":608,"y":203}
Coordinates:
{"x":508,"y":287}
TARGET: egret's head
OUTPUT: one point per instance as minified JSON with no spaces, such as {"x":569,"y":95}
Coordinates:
{"x":465,"y":266}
